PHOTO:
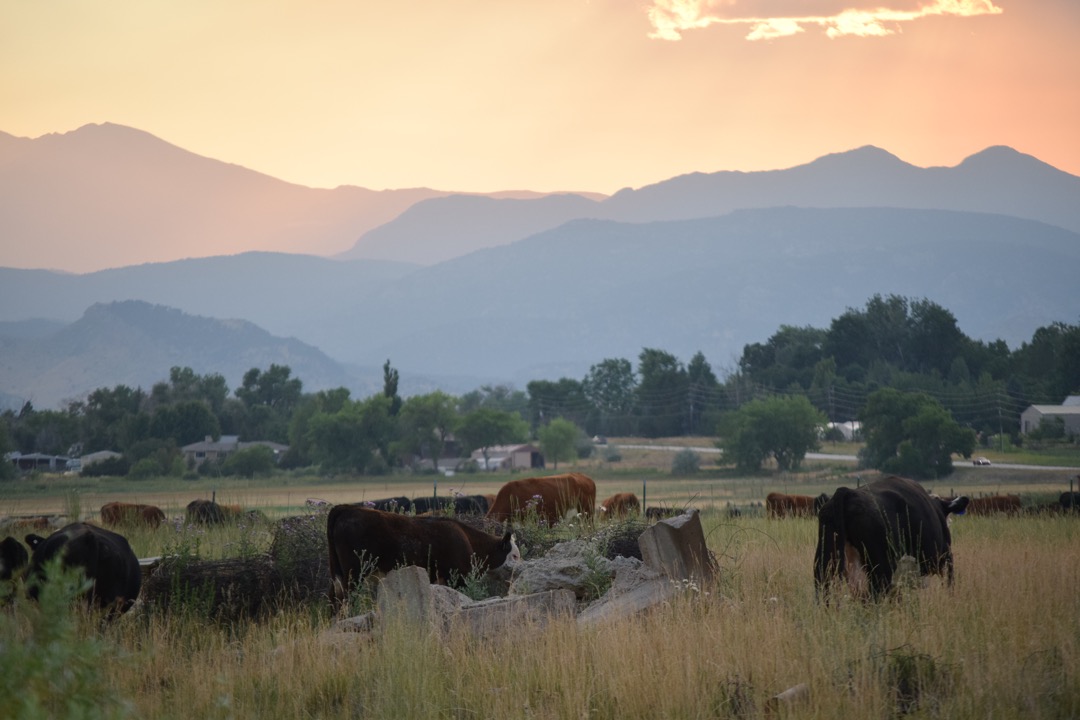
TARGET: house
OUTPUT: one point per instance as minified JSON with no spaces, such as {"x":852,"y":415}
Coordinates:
{"x":1069,"y":412}
{"x":510,"y":457}
{"x":210,"y":450}
{"x":850,"y":429}
{"x":37,"y":461}
{"x":76,"y":465}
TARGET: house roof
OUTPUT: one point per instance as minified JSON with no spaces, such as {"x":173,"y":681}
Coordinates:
{"x":1057,"y":409}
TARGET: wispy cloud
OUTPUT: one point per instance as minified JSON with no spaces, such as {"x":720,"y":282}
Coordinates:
{"x":670,"y":18}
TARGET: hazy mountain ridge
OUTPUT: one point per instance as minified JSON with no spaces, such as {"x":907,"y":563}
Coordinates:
{"x":440,"y":229}
{"x":135,"y":343}
{"x":597,"y":289}
{"x":996,"y":180}
{"x":108,"y":196}
{"x":556,"y":303}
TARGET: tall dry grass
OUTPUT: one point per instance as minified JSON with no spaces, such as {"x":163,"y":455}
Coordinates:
{"x":1004,"y":642}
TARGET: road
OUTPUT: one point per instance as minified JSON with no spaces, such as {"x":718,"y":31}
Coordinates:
{"x":843,"y":458}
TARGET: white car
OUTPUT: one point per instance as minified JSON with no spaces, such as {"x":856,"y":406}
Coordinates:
{"x":980,"y":461}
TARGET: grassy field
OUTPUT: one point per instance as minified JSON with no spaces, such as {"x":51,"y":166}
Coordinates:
{"x":1004,"y":642}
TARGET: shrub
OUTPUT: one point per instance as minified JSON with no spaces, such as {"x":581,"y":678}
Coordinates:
{"x":686,"y":462}
{"x":52,"y":661}
{"x":115,"y":466}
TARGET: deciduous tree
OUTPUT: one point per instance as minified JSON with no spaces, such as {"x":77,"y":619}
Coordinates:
{"x":911,"y":434}
{"x":785,"y":428}
{"x":558,"y":440}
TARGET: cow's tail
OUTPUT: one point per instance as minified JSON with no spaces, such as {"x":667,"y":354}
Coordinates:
{"x":338,"y":589}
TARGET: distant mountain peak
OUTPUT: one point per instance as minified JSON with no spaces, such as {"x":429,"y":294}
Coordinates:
{"x":859,"y":159}
{"x":1004,"y":159}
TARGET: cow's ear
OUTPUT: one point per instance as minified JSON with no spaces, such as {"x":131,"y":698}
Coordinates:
{"x":958,"y":505}
{"x":33,"y":540}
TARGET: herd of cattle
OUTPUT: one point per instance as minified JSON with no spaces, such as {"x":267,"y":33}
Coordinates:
{"x":862,"y":534}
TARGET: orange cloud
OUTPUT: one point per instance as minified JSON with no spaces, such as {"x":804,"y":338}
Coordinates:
{"x":670,"y":18}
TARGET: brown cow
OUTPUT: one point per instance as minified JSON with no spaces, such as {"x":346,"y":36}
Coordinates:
{"x":620,"y":505}
{"x":551,"y":497}
{"x":783,"y":505}
{"x":118,"y":513}
{"x":363,"y":540}
{"x":993,"y":504}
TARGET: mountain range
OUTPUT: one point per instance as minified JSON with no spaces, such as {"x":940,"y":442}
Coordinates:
{"x":107,"y":196}
{"x":459,"y":290}
{"x":129,"y":343}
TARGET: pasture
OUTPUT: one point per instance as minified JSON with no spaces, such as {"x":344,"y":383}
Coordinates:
{"x":1004,"y":641}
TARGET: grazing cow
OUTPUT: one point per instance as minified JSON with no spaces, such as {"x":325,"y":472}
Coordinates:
{"x":13,"y":558}
{"x":657,"y":512}
{"x":209,"y":512}
{"x":863,"y":533}
{"x":992,"y":504}
{"x":550,"y":496}
{"x":459,"y":504}
{"x":118,"y":513}
{"x":104,"y":556}
{"x":783,"y":505}
{"x":390,"y":504}
{"x":1070,"y":501}
{"x":363,"y":540}
{"x":620,"y":505}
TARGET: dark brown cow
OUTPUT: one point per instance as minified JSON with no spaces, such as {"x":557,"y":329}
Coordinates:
{"x":864,"y":533}
{"x":620,"y":505}
{"x":994,"y":504}
{"x":363,"y":540}
{"x":209,"y":512}
{"x":783,"y":505}
{"x":551,"y":497}
{"x":118,"y":513}
{"x":22,"y":524}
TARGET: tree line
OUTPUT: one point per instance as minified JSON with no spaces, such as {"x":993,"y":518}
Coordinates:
{"x":910,"y":346}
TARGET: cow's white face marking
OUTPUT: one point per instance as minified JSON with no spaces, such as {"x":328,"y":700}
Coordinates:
{"x":857,"y":579}
{"x":515,"y":553}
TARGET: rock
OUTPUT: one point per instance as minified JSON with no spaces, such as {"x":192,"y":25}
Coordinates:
{"x":499,"y":615}
{"x":676,"y":547}
{"x":360,"y":623}
{"x":639,"y":597}
{"x":574,"y":566}
{"x":787,"y":699}
{"x":406,"y":593}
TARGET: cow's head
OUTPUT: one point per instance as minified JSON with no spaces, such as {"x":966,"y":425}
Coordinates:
{"x":513,"y":553}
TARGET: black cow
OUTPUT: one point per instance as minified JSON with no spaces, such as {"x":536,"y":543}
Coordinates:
{"x":1070,"y":501}
{"x":863,"y":533}
{"x":391,"y":504}
{"x":13,"y":558}
{"x":104,"y":556}
{"x":460,"y":504}
{"x":659,"y":512}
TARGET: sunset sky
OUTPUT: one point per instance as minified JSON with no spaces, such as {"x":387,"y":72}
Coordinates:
{"x":485,"y":95}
